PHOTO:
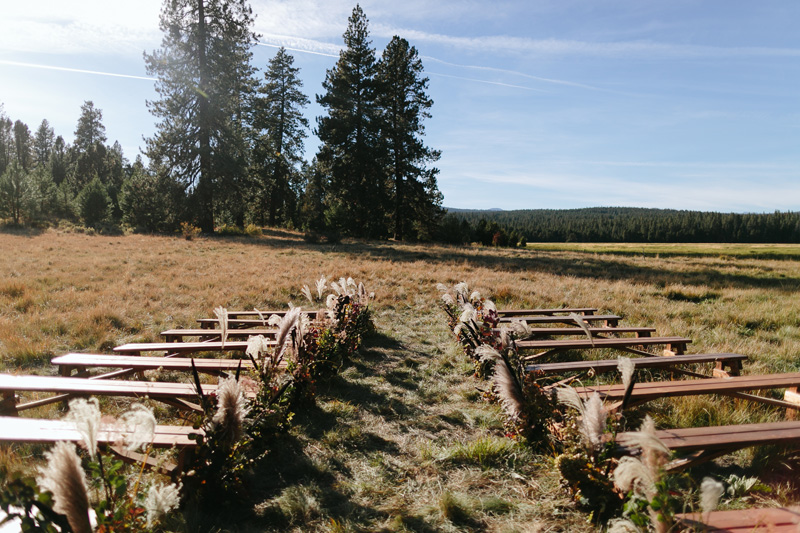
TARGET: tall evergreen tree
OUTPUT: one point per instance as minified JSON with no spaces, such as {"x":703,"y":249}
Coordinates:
{"x":279,"y":119}
{"x":14,"y":192}
{"x":58,"y":160}
{"x":404,"y":104}
{"x":203,"y":80}
{"x":43,"y":143}
{"x":90,"y":129}
{"x":23,"y":146}
{"x":350,"y":135}
{"x":6,"y":141}
{"x":88,"y":154}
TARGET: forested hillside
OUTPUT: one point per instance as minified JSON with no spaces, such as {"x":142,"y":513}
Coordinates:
{"x":619,"y":224}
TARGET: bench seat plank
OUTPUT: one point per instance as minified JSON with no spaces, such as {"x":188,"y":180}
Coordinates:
{"x":37,"y":430}
{"x":777,"y":520}
{"x":140,"y":363}
{"x":234,"y":323}
{"x":610,"y":365}
{"x":563,"y":331}
{"x":609,"y":320}
{"x":735,"y":386}
{"x":170,"y":393}
{"x":173,"y":335}
{"x":267,"y":314}
{"x":183,"y":347}
{"x":676,"y":345}
{"x":547,"y":312}
{"x":740,"y":436}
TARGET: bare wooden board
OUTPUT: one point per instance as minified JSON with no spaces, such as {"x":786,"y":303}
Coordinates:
{"x":775,"y":520}
{"x":610,"y":365}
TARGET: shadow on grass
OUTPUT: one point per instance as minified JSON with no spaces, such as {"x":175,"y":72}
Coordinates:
{"x":21,"y":231}
{"x":588,"y":266}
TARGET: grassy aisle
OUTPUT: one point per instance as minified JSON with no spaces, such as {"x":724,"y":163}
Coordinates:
{"x":402,"y":441}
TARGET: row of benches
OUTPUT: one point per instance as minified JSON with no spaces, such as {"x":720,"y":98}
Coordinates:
{"x":692,"y":445}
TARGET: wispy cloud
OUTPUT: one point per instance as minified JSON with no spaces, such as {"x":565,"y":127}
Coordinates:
{"x":298,"y":44}
{"x":76,"y":70}
{"x":562,"y":47}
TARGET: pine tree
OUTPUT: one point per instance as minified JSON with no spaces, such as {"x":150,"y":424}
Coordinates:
{"x":350,"y":135}
{"x":279,"y":149}
{"x":204,"y":79}
{"x":404,"y":104}
{"x":43,"y":143}
{"x":23,"y":146}
{"x":90,"y":129}
{"x":88,"y":153}
{"x":6,"y":141}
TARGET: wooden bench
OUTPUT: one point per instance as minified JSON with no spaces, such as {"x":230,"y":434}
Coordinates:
{"x":596,"y":332}
{"x":607,"y":320}
{"x":731,"y":361}
{"x":177,"y":335}
{"x":246,"y":319}
{"x":777,"y":520}
{"x":234,"y":323}
{"x":84,"y":361}
{"x":174,"y":394}
{"x":546,"y":312}
{"x":266,"y":314}
{"x":136,"y":348}
{"x":731,"y":386}
{"x":674,"y":345}
{"x":38,"y":431}
{"x":702,"y":444}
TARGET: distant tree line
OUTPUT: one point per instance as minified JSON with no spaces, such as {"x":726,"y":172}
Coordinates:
{"x":229,"y":143}
{"x":617,"y":224}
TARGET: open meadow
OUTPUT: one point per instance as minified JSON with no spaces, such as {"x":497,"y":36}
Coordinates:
{"x":402,"y":440}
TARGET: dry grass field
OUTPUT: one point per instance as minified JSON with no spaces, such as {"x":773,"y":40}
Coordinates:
{"x":401,"y":440}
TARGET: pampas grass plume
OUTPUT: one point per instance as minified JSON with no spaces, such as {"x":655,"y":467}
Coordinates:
{"x":307,"y":293}
{"x":626,"y":368}
{"x":506,"y":388}
{"x":594,"y":420}
{"x":321,"y":286}
{"x":570,"y":397}
{"x":632,"y":474}
{"x":583,"y":325}
{"x":222,"y":316}
{"x":86,"y":416}
{"x":231,"y":410}
{"x":710,"y":493}
{"x":621,"y":525}
{"x":160,"y":500}
{"x":140,"y":425}
{"x":64,"y":477}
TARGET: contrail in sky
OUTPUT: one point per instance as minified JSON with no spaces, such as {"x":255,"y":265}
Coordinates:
{"x":298,"y":50}
{"x":78,"y":70}
{"x":501,"y":84}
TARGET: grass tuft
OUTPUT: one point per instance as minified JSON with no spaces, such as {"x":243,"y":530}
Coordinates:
{"x":299,"y":504}
{"x":455,"y":508}
{"x":485,"y":452}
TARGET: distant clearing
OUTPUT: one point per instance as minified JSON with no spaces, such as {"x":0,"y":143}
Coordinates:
{"x":774,"y":251}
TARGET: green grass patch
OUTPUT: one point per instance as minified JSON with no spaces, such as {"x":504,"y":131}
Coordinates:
{"x":738,"y":250}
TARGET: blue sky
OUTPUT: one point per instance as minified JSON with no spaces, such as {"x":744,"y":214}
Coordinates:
{"x":686,"y":104}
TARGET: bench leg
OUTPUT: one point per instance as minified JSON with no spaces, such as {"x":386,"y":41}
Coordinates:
{"x":8,"y":405}
{"x":792,"y":396}
{"x":734,"y":368}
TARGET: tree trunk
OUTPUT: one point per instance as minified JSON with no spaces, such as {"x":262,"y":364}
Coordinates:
{"x":205,"y":184}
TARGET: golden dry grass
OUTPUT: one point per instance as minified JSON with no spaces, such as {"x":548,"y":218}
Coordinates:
{"x":401,"y":441}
